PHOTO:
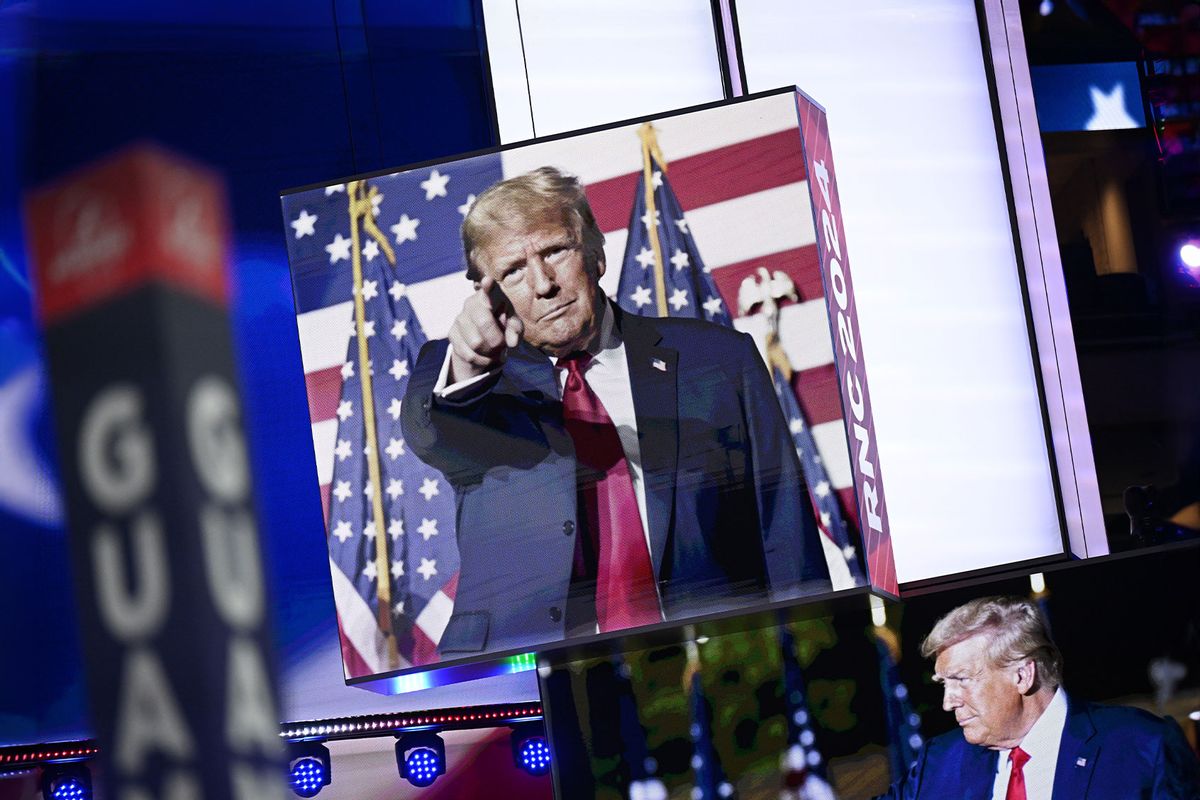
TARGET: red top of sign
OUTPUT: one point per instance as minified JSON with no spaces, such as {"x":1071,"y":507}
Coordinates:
{"x":142,"y":215}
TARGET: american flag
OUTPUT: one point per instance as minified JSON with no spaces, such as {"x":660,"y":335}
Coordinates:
{"x":710,"y":781}
{"x":830,"y":518}
{"x":805,"y":776}
{"x":688,"y":289}
{"x":741,"y":170}
{"x":904,"y":724}
{"x":659,"y":238}
{"x":421,"y":563}
{"x":644,"y":783}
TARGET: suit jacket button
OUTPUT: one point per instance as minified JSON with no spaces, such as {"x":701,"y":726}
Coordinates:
{"x":568,"y":527}
{"x":555,"y":614}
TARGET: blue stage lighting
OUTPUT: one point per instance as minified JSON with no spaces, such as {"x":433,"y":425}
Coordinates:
{"x":421,"y":757}
{"x":69,"y":789}
{"x":535,"y":756}
{"x":66,"y":782}
{"x":307,"y":776}
{"x":424,"y":766}
{"x":530,"y":750}
{"x":309,"y":768}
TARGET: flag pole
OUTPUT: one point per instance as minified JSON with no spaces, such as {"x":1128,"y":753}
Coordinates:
{"x":361,"y":212}
{"x":650,"y":149}
{"x":692,"y":651}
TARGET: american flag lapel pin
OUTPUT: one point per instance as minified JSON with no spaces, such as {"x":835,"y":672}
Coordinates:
{"x":658,"y":364}
{"x":1081,"y":762}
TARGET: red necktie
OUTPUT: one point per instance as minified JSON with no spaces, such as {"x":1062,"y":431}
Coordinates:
{"x":626,"y":595}
{"x":1016,"y":777}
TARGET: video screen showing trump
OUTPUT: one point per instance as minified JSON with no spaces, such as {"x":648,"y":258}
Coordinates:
{"x":1026,"y":687}
{"x":575,"y":387}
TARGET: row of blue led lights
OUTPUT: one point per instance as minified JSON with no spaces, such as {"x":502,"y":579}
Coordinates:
{"x":420,"y":758}
{"x":420,"y":753}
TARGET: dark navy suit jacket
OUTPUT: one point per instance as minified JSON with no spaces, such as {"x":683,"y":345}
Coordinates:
{"x":1106,"y":753}
{"x":730,"y":520}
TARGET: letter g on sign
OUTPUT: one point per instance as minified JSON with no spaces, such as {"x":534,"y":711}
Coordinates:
{"x":116,"y":450}
{"x":215,"y":438}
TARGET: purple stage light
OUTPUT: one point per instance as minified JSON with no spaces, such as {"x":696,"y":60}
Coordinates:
{"x":1189,"y":254}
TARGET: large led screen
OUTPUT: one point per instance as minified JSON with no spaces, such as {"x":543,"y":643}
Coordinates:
{"x":585,"y":385}
{"x":962,"y":422}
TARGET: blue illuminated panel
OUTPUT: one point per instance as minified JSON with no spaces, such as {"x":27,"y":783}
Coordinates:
{"x":1088,"y":97}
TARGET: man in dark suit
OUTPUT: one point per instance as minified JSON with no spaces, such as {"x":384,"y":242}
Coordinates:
{"x":612,"y":470}
{"x":1020,"y":737}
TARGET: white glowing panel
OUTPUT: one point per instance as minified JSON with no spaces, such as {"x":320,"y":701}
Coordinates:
{"x":567,"y":66}
{"x":943,"y":325}
{"x":506,"y":62}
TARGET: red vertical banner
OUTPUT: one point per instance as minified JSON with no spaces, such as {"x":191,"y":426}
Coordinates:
{"x":848,"y":356}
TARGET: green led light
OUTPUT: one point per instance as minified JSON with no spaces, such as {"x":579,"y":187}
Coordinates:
{"x":521,"y":663}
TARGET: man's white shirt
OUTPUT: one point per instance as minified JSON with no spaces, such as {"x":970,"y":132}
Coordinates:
{"x":1041,"y":743}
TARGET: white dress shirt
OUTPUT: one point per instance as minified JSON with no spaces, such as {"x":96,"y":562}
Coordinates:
{"x":1041,"y":743}
{"x":607,"y":373}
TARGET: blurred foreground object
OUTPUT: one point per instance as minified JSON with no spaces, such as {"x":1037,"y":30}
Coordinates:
{"x":129,"y":256}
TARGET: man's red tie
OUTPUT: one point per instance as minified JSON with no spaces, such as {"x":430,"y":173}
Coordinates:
{"x":625,"y":592}
{"x":1016,"y":778}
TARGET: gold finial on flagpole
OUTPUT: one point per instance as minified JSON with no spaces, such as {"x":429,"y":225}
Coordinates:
{"x":651,"y":153}
{"x":765,"y":292}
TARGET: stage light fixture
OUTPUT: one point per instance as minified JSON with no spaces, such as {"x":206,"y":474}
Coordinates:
{"x":535,"y":755}
{"x":66,"y":782}
{"x":530,"y":750}
{"x":309,"y":768}
{"x":1189,"y":254}
{"x":420,"y":757}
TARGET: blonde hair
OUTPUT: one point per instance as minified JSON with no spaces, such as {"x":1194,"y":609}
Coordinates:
{"x":544,"y":194}
{"x":1016,"y":629}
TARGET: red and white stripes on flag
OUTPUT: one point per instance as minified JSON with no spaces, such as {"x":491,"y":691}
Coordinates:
{"x":739,"y":174}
